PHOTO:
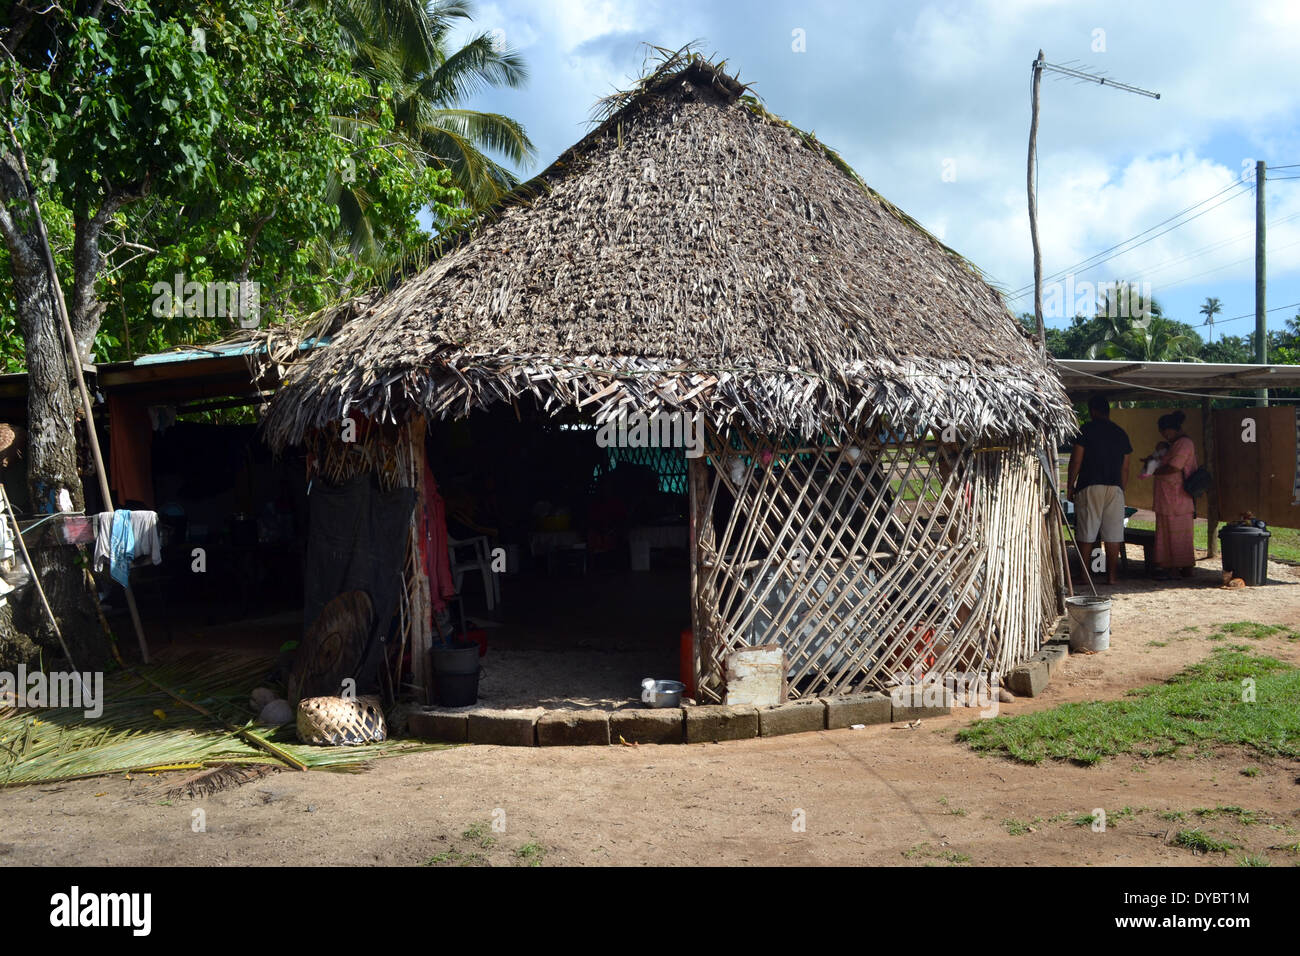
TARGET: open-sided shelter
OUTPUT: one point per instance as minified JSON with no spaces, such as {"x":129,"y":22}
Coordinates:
{"x":872,"y":494}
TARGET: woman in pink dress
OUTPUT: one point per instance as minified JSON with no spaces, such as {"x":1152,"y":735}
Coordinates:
{"x":1175,"y":509}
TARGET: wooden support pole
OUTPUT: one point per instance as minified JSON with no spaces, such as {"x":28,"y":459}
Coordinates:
{"x":696,"y":485}
{"x":422,"y":601}
{"x":1039,"y":330}
{"x":74,"y":359}
{"x":36,"y":579}
{"x":1211,"y":496}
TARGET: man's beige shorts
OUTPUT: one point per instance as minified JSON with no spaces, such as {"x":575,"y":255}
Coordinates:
{"x":1101,"y":513}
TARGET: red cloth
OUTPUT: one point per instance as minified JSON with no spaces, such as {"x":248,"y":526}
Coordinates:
{"x":433,"y":546}
{"x":130,"y":451}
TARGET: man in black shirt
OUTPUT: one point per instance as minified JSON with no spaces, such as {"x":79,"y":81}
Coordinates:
{"x":1098,"y":476}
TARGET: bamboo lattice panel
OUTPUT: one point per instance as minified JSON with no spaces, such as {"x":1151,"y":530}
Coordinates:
{"x":875,"y":562}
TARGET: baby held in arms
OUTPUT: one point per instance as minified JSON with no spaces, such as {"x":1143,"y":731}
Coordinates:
{"x":1155,"y":459}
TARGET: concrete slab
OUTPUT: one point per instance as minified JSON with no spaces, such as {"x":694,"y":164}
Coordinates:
{"x":874,"y":708}
{"x":445,"y":727}
{"x":712,"y":722}
{"x":796,"y":717}
{"x":573,"y":728}
{"x":507,"y":728}
{"x":659,"y":725}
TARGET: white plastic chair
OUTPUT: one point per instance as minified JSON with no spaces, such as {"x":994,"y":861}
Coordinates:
{"x":482,"y":562}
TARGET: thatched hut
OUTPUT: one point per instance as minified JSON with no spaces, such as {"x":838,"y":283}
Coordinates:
{"x":871,"y":496}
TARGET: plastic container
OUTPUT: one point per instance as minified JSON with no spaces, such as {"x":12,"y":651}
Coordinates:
{"x":1245,"y":552}
{"x":1089,"y":623}
{"x":455,"y":675}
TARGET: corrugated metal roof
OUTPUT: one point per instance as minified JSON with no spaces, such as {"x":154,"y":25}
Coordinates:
{"x":1115,"y":375}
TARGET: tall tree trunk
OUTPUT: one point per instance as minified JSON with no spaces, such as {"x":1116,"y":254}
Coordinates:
{"x":52,"y":426}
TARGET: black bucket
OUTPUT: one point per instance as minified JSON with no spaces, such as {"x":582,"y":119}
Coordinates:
{"x":455,"y":675}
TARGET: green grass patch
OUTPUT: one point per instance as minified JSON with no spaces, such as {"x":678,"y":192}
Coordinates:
{"x":480,"y":833}
{"x":1244,"y":817}
{"x":1173,"y":816}
{"x":455,"y":857}
{"x":1018,"y":827}
{"x":1250,"y":772}
{"x":923,"y":851}
{"x":951,"y":811}
{"x":1200,"y":842}
{"x":1255,"y":631}
{"x":1283,"y":546}
{"x":531,"y":853}
{"x":1200,"y":707}
{"x":1250,"y":859}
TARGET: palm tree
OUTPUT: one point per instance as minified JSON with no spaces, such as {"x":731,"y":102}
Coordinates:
{"x":1211,"y":308}
{"x":1150,"y":339}
{"x":404,"y":46}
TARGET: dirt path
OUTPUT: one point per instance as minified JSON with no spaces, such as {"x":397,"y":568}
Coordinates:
{"x":876,"y":796}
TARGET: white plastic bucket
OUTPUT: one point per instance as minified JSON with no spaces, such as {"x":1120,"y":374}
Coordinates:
{"x":1089,"y":622}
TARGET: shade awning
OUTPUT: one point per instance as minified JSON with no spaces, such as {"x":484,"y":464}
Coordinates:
{"x":1118,"y":377}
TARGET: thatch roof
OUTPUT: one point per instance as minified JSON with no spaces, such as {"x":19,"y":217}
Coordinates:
{"x":691,"y":252}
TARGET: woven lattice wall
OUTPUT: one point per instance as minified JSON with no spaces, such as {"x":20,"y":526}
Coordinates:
{"x":875,"y":562}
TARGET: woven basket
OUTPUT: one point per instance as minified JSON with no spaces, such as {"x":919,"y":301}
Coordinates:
{"x":341,"y":722}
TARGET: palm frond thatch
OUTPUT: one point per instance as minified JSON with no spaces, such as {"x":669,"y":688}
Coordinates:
{"x":695,"y":253}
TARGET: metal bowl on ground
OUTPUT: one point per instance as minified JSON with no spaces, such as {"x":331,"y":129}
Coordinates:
{"x":662,"y":693}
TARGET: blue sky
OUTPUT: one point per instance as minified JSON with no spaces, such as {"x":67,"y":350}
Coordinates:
{"x":929,"y":102}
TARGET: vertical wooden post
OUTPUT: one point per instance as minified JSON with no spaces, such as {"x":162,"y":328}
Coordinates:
{"x":1039,"y":329}
{"x":422,"y":603}
{"x":696,"y":483}
{"x":1211,"y":496}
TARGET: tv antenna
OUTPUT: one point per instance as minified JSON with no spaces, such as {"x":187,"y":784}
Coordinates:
{"x":1039,"y":67}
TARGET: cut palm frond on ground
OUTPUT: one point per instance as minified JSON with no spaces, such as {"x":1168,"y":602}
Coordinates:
{"x":215,"y":779}
{"x":1232,"y":698}
{"x":144,"y":727}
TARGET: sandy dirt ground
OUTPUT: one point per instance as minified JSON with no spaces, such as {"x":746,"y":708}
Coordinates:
{"x":881,"y":795}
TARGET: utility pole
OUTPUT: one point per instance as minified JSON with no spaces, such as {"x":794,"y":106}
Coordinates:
{"x":1039,"y":67}
{"x":1039,"y":330}
{"x":1261,"y":321}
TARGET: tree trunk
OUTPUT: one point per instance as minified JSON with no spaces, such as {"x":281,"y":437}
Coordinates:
{"x":52,"y":426}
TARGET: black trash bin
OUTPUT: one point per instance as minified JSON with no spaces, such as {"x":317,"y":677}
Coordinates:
{"x":1245,"y":552}
{"x":455,"y":674}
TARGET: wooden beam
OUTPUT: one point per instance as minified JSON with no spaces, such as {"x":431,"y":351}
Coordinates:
{"x":1211,"y":496}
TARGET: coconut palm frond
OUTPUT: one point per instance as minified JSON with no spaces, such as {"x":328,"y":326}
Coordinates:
{"x":144,"y":727}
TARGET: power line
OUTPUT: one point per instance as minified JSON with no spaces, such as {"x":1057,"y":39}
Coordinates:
{"x":1089,"y":263}
{"x":1207,"y":249}
{"x":1176,"y":215}
{"x":1251,"y":315}
{"x":1235,"y":262}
